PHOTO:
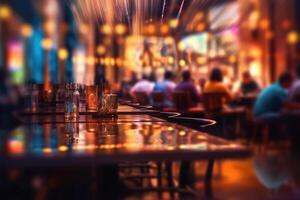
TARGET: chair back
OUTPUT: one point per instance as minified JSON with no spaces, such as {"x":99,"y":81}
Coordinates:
{"x":213,"y":101}
{"x":158,"y":99}
{"x":141,"y":98}
{"x":181,"y":100}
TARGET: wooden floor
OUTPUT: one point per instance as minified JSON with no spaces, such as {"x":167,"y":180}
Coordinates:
{"x":269,"y":174}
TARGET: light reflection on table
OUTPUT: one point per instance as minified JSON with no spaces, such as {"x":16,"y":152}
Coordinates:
{"x":94,"y":138}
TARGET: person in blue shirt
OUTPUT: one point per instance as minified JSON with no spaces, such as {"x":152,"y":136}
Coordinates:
{"x":274,"y":98}
{"x":166,"y":86}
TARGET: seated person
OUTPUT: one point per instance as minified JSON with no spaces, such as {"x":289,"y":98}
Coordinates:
{"x":143,"y":85}
{"x":166,"y":86}
{"x":294,"y":93}
{"x":188,"y":86}
{"x":216,"y":85}
{"x":248,"y":85}
{"x":274,"y":98}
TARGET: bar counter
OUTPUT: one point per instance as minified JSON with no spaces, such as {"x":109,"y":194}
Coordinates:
{"x":47,"y":140}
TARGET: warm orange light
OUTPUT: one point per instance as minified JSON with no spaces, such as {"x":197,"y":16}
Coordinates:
{"x":63,"y":54}
{"x":200,"y":27}
{"x":255,"y":52}
{"x":180,"y":46}
{"x":199,"y":16}
{"x":182,"y":63}
{"x":5,"y":12}
{"x":49,"y":27}
{"x":84,"y":28}
{"x":47,"y":43}
{"x":232,"y":59}
{"x":101,"y":49}
{"x":112,"y":61}
{"x":120,"y":29}
{"x":90,"y":60}
{"x":201,"y":60}
{"x":173,"y":23}
{"x":26,"y":30}
{"x":151,"y":29}
{"x":164,"y":29}
{"x":63,"y":148}
{"x":293,"y":37}
{"x":119,"y":62}
{"x":169,"y":40}
{"x":264,"y":24}
{"x":171,"y":60}
{"x":106,"y":29}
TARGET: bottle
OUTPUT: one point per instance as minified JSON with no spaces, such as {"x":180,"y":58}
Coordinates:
{"x":68,"y":104}
{"x":75,"y":102}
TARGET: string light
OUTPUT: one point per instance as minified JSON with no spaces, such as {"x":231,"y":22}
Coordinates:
{"x":26,"y":30}
{"x":5,"y":12}
{"x":63,"y":54}
{"x":292,"y":37}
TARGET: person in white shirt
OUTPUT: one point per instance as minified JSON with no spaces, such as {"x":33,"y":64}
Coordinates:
{"x":143,"y":85}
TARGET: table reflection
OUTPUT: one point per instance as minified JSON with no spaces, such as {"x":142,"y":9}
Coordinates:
{"x":108,"y":136}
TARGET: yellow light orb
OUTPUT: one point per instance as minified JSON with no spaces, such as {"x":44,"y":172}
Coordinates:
{"x":107,"y":61}
{"x":5,"y":12}
{"x":112,"y":61}
{"x":26,"y":30}
{"x":63,"y":54}
{"x":106,"y":29}
{"x":101,"y":49}
{"x":180,"y":46}
{"x":47,"y":43}
{"x":201,"y":60}
{"x":173,"y":23}
{"x":182,"y":63}
{"x":169,"y":40}
{"x":90,"y":60}
{"x":293,"y":37}
{"x":120,"y":29}
{"x":171,"y":60}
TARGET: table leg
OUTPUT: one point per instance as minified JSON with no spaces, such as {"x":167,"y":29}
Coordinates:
{"x":170,"y":174}
{"x":208,"y":179}
{"x":184,"y":174}
{"x":108,"y":180}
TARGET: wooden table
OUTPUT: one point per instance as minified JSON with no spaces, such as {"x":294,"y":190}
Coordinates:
{"x":48,"y":141}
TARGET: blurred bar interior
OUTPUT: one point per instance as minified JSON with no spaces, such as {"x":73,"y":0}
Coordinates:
{"x":102,"y":89}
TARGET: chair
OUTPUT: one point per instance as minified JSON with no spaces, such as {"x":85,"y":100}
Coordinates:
{"x":181,"y":101}
{"x":213,"y":101}
{"x":141,"y":98}
{"x":158,"y":99}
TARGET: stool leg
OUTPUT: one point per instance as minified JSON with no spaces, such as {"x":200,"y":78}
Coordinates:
{"x":208,"y":179}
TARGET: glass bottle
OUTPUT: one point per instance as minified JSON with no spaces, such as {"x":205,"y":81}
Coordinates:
{"x":68,"y":103}
{"x":76,"y":102}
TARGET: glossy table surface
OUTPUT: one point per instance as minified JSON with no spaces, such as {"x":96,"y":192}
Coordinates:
{"x":50,"y":141}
